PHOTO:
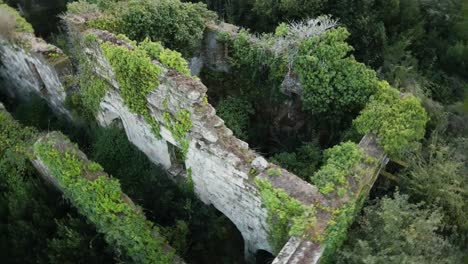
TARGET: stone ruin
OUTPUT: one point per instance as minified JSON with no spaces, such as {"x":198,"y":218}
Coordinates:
{"x":220,"y":163}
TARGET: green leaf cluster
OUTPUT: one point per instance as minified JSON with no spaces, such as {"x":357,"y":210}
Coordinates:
{"x":236,"y":112}
{"x":303,"y":162}
{"x":398,"y":120}
{"x":339,"y":164}
{"x":169,"y":58}
{"x":179,"y":127}
{"x":337,"y":229}
{"x":175,"y":24}
{"x":101,"y":200}
{"x":137,"y":76}
{"x":286,"y":216}
{"x":332,"y":81}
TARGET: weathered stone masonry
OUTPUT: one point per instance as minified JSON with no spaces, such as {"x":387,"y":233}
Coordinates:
{"x":220,"y":164}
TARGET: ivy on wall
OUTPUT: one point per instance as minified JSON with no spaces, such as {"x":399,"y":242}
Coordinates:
{"x":100,"y":199}
{"x":179,"y":127}
{"x":137,"y":77}
{"x":286,"y":216}
{"x":337,"y":229}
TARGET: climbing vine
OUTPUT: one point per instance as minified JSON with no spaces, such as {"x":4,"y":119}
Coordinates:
{"x":337,"y":229}
{"x":100,"y":199}
{"x":340,"y":161}
{"x":137,"y":77}
{"x":179,"y":127}
{"x":286,"y":216}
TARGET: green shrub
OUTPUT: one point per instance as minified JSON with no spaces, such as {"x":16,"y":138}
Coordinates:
{"x":332,"y":81}
{"x":303,"y":162}
{"x":236,"y":112}
{"x":169,"y":58}
{"x":179,"y":26}
{"x":339,"y":164}
{"x":393,"y":230}
{"x":398,"y":121}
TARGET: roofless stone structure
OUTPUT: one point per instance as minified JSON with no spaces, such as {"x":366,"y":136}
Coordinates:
{"x":225,"y":172}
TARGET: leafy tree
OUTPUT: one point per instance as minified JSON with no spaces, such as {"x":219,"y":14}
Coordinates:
{"x":398,"y":120}
{"x":393,"y":230}
{"x":333,"y":82}
{"x":438,"y":175}
{"x":235,"y":112}
{"x":179,"y":26}
{"x":303,"y":162}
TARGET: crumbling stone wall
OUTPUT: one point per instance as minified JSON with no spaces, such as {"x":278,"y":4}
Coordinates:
{"x":35,"y":66}
{"x":219,"y":165}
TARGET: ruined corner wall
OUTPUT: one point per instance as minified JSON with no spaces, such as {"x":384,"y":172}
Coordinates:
{"x":34,"y":66}
{"x":219,"y":163}
{"x":115,"y":223}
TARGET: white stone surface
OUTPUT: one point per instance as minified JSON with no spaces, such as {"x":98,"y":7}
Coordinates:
{"x":27,"y":73}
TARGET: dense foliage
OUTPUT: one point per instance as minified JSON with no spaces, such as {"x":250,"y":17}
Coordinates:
{"x":36,"y":226}
{"x":437,"y":175}
{"x":176,"y":25}
{"x":340,"y":161}
{"x":303,"y":162}
{"x":399,"y":121}
{"x":394,"y":230}
{"x":418,"y":46}
{"x":333,"y":83}
{"x":236,"y":113}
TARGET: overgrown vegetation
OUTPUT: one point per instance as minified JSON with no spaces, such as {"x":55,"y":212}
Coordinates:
{"x":394,"y":230}
{"x":191,"y":227}
{"x":37,"y":227}
{"x":286,"y":216}
{"x":333,"y":83}
{"x":399,"y":121}
{"x":340,"y":162}
{"x":101,"y":200}
{"x":20,"y":24}
{"x":179,"y":126}
{"x":137,"y":77}
{"x":178,"y":26}
{"x":303,"y":162}
{"x":236,"y":113}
